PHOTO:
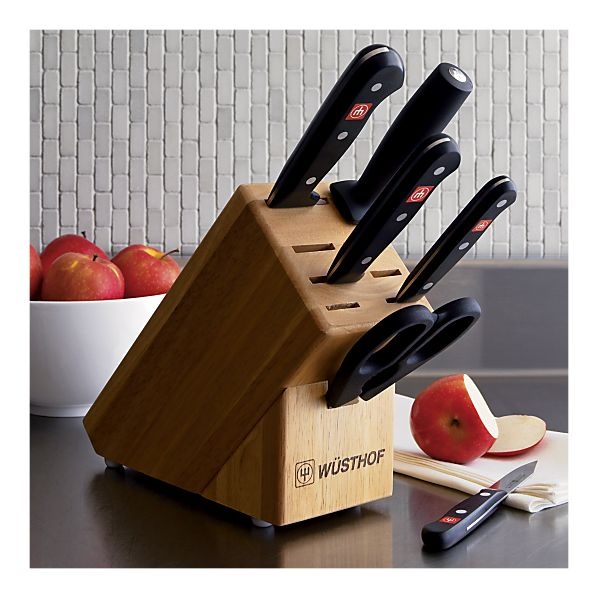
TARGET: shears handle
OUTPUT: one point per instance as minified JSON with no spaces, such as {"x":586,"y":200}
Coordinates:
{"x":380,"y":347}
{"x":453,"y":320}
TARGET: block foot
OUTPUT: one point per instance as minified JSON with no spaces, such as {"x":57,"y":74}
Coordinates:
{"x":112,"y":464}
{"x":260,"y":522}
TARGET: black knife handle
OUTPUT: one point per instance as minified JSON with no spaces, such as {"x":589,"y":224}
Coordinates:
{"x":427,"y":166}
{"x":460,"y":236}
{"x":428,"y":112}
{"x":375,"y":73}
{"x":462,"y":519}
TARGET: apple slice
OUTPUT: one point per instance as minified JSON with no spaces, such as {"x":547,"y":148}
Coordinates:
{"x":451,"y":421}
{"x":517,"y":434}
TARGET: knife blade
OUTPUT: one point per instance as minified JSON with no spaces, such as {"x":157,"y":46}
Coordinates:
{"x":427,"y":166}
{"x":374,"y":73}
{"x":460,"y":236}
{"x":428,"y":112}
{"x":465,"y":517}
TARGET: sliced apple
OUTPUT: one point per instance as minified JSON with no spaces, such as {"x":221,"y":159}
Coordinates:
{"x":517,"y":434}
{"x":451,"y":421}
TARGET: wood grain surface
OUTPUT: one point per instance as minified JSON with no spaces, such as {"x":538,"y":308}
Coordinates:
{"x":247,"y":318}
{"x":346,"y":454}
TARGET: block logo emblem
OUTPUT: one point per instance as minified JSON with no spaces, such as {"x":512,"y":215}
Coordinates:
{"x":420,"y":194}
{"x":305,"y":473}
{"x":481,"y":226}
{"x":358,"y":112}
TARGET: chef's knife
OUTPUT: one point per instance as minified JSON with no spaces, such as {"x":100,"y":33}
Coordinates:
{"x":465,"y":517}
{"x":375,"y":73}
{"x":426,"y":167}
{"x":461,"y":235}
{"x":428,"y":112}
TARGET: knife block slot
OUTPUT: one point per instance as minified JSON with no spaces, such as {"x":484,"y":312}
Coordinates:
{"x":352,"y":305}
{"x":385,"y":273}
{"x":314,"y":248}
{"x":318,"y":279}
{"x":227,"y":399}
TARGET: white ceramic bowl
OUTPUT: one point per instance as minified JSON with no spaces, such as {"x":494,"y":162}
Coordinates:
{"x":75,"y":348}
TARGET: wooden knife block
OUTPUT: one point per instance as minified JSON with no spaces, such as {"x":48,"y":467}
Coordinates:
{"x":223,"y":392}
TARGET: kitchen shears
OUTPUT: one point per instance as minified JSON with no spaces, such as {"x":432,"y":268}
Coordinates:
{"x":397,"y":345}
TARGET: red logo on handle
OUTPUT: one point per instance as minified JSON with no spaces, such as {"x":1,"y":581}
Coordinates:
{"x":449,"y":519}
{"x":358,"y":112}
{"x":481,"y":226}
{"x":419,"y":194}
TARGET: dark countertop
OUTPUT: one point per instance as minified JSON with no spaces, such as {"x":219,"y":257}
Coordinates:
{"x":83,"y":515}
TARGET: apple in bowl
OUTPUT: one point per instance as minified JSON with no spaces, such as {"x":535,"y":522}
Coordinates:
{"x":79,"y":277}
{"x":146,"y":270}
{"x":84,"y":324}
{"x":35,"y":272}
{"x":69,"y":244}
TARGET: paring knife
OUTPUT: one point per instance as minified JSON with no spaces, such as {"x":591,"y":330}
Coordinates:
{"x":465,"y":517}
{"x":461,"y":235}
{"x":428,"y":112}
{"x":425,"y":168}
{"x":375,"y":73}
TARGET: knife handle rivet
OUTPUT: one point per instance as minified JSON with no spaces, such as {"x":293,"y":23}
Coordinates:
{"x":501,"y":203}
{"x":366,"y":260}
{"x":376,"y":87}
{"x":485,"y":493}
{"x":428,"y":285}
{"x":439,"y":170}
{"x":463,"y":246}
{"x":342,"y":135}
{"x":311,"y":180}
{"x":461,"y":511}
{"x":401,"y":217}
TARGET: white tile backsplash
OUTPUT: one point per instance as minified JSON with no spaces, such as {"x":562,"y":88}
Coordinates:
{"x":141,"y":136}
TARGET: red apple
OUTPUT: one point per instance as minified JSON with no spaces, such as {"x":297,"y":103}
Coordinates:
{"x":517,"y":434}
{"x":79,"y":277}
{"x":35,"y":272}
{"x":69,"y":244}
{"x":451,"y":421}
{"x":147,"y":271}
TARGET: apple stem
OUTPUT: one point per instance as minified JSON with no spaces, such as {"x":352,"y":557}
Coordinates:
{"x":95,"y":257}
{"x":171,"y":251}
{"x":83,"y":233}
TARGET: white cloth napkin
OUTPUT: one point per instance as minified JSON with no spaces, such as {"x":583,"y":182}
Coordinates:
{"x":547,"y":486}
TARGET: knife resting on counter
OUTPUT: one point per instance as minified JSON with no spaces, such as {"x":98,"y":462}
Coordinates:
{"x":465,"y":517}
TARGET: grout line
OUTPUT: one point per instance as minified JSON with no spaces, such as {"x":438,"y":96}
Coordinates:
{"x":527,"y":233}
